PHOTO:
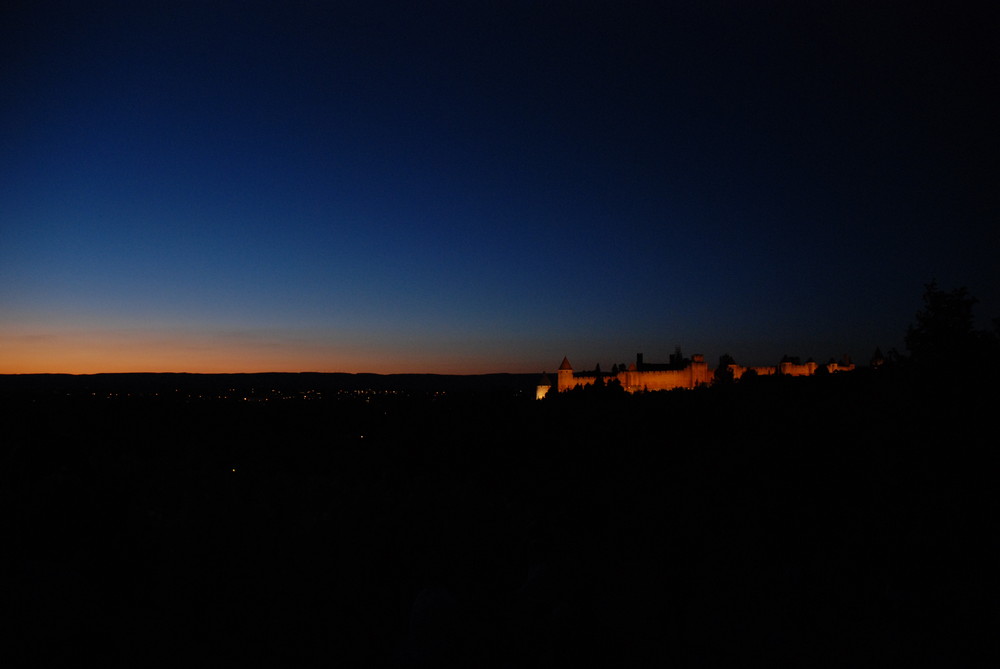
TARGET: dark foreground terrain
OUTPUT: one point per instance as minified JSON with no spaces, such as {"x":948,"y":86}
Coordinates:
{"x":846,"y":521}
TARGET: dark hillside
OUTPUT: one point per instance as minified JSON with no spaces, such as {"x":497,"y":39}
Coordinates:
{"x":817,"y":520}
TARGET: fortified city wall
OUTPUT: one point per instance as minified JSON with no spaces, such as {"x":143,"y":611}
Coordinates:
{"x":680,"y":373}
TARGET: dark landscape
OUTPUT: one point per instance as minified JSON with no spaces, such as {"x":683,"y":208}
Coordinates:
{"x":285,"y":288}
{"x":843,"y":519}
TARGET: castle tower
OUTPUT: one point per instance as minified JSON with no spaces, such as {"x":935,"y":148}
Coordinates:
{"x":565,"y":380}
{"x":543,"y":387}
{"x":700,"y":373}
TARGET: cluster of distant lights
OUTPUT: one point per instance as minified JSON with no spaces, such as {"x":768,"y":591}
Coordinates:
{"x":272,"y":394}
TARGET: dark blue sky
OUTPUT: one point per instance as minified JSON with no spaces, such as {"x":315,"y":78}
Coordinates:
{"x":473,"y":187}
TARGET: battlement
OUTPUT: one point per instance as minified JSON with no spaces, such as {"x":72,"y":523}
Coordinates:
{"x":680,"y":372}
{"x":641,"y":375}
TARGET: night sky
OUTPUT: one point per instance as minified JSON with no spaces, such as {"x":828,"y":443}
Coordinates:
{"x":478,"y":187}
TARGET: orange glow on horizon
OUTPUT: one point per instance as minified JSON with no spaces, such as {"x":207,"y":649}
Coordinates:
{"x":132,"y":352}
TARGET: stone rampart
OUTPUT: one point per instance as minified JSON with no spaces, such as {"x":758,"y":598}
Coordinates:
{"x":694,"y":372}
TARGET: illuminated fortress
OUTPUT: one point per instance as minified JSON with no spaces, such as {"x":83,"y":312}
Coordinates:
{"x":680,"y":372}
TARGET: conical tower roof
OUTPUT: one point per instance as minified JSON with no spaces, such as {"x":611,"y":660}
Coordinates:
{"x":565,"y":365}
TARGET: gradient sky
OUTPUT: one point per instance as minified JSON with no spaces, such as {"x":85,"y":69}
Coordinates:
{"x":477,"y":187}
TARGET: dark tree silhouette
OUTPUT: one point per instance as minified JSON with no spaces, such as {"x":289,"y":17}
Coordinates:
{"x":942,"y":339}
{"x":943,"y":328}
{"x":722,"y":373}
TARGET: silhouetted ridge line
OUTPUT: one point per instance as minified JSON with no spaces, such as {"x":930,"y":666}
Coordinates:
{"x":171,"y":382}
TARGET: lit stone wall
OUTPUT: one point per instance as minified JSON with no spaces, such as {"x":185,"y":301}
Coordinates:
{"x":566,"y":381}
{"x":837,"y":367}
{"x":695,"y":374}
{"x":791,"y":369}
{"x":739,"y":370}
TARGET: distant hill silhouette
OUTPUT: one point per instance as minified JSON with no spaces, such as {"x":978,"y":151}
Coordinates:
{"x":148,"y":383}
